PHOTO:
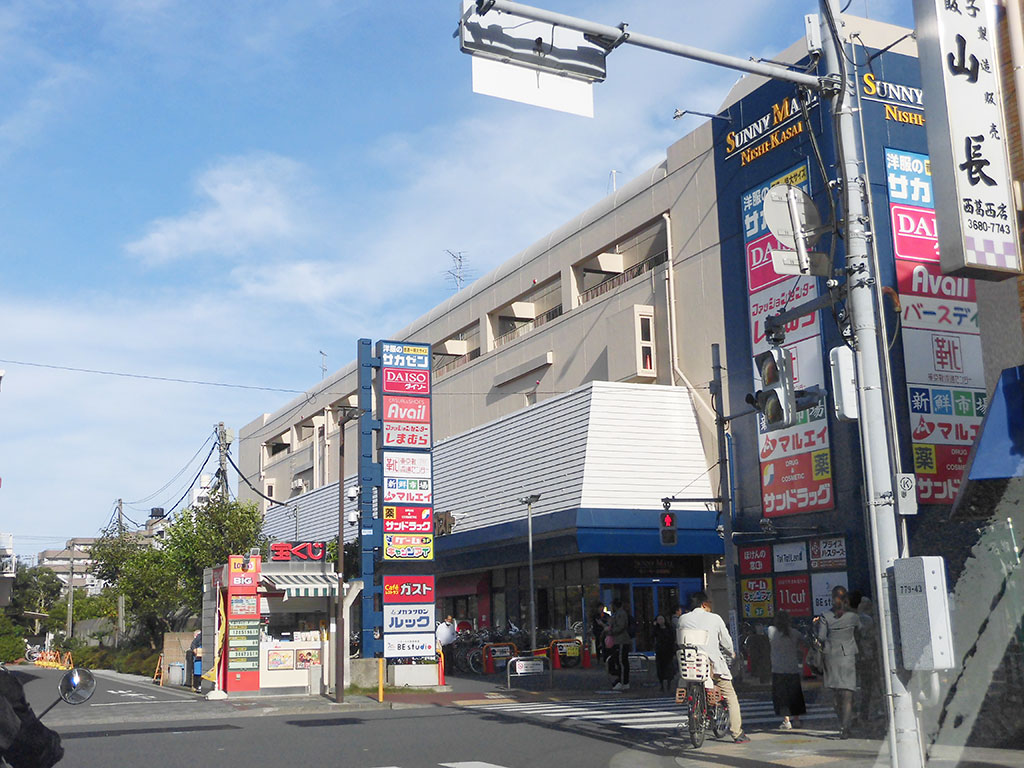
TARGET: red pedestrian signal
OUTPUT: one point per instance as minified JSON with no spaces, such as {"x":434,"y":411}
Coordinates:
{"x":669,"y":535}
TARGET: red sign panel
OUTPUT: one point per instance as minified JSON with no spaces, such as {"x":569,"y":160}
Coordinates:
{"x":793,"y":594}
{"x":402,"y":408}
{"x":408,"y":519}
{"x":756,"y":560}
{"x":760,"y":271}
{"x":405,"y":381}
{"x":801,"y":483}
{"x":913,"y":232}
{"x":917,"y":279}
{"x":940,"y":470}
{"x":286,"y":551}
{"x":408,"y":589}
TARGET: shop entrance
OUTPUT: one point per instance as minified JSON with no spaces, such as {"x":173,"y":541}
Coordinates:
{"x":646,"y":599}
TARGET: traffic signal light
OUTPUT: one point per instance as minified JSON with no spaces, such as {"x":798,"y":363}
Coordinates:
{"x":777,"y":401}
{"x":669,"y":535}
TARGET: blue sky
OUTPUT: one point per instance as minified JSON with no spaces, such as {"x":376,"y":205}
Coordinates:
{"x":218,"y":191}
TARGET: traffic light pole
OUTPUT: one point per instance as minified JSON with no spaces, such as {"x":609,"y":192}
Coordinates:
{"x":905,"y":744}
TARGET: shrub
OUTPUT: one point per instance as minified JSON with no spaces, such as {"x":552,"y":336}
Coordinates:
{"x":12,"y":647}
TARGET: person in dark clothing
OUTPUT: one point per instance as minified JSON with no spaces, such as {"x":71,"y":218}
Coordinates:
{"x":24,"y":741}
{"x":787,"y":664}
{"x":664,"y":652}
{"x":622,"y":643}
{"x":598,"y":626}
{"x":196,"y":665}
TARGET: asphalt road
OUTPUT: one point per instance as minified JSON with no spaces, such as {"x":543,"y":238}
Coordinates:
{"x":130,"y":722}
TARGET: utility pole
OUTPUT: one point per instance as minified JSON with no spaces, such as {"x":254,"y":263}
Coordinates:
{"x":120,"y":596}
{"x":223,"y":444}
{"x":725,"y":492}
{"x":906,"y":748}
{"x":71,"y":589}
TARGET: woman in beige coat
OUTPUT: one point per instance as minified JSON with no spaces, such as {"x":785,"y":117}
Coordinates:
{"x":836,"y":630}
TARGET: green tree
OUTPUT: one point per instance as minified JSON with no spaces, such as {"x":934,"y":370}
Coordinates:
{"x":204,"y":537}
{"x":86,"y":606}
{"x":147,"y":578}
{"x":151,"y":588}
{"x":35,"y":589}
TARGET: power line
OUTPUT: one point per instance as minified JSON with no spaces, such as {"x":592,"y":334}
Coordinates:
{"x":173,"y":479}
{"x":150,"y":378}
{"x":245,"y":480}
{"x":194,"y":480}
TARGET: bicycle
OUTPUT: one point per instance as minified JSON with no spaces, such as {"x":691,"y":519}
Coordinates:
{"x":706,"y":706}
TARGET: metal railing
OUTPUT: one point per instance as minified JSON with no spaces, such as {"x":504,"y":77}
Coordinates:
{"x":528,"y":326}
{"x":458,"y":362}
{"x":615,"y":281}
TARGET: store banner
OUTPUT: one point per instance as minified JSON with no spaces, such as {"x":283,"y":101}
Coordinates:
{"x":796,"y":468}
{"x":790,"y":556}
{"x":401,"y":519}
{"x":408,"y":589}
{"x":941,"y":342}
{"x":755,"y":560}
{"x":793,"y":594}
{"x":404,"y":546}
{"x":960,"y":47}
{"x":409,"y":618}
{"x":757,"y":598}
{"x":828,"y":553}
{"x":418,"y":645}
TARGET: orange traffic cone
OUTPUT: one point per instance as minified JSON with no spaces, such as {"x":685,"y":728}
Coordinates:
{"x":556,"y":662}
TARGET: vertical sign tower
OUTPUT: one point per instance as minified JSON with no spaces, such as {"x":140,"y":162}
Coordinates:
{"x":396,"y":529}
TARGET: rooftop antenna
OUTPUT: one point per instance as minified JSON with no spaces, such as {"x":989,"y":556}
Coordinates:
{"x":323,"y":365}
{"x":459,"y":272}
{"x":613,"y":174}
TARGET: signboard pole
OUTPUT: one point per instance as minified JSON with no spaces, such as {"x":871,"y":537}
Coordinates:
{"x":369,"y":476}
{"x":904,"y":734}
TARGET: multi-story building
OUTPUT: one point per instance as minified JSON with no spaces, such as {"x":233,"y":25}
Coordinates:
{"x":579,"y":370}
{"x":8,"y":567}
{"x":73,"y":564}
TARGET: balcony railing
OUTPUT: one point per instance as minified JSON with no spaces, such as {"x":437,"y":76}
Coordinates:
{"x":528,"y":326}
{"x":458,"y":362}
{"x":615,"y":281}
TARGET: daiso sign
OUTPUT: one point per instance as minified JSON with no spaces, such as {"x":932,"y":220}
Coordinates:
{"x":405,"y":381}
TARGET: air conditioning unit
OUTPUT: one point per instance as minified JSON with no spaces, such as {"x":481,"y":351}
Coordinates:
{"x":298,"y":484}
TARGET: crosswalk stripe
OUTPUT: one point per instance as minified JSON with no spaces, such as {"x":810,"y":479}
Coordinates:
{"x":641,"y":714}
{"x":470,"y":764}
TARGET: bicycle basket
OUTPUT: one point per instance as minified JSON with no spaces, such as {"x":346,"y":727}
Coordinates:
{"x":714,"y":695}
{"x":693,"y":664}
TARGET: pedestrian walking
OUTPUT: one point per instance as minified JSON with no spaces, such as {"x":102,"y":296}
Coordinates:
{"x":196,"y":668}
{"x":718,"y":644}
{"x":837,"y":631}
{"x":598,"y":626}
{"x":664,"y":652}
{"x":621,"y":643}
{"x":787,"y":664}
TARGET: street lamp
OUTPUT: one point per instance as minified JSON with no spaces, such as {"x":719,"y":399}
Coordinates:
{"x":529,"y":501}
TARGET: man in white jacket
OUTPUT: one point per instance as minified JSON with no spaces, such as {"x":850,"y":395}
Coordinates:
{"x":718,"y":640}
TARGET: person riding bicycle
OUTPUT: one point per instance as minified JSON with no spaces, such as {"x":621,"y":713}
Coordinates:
{"x":718,"y":640}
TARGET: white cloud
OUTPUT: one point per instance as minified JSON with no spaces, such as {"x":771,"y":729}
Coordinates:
{"x":246,"y":203}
